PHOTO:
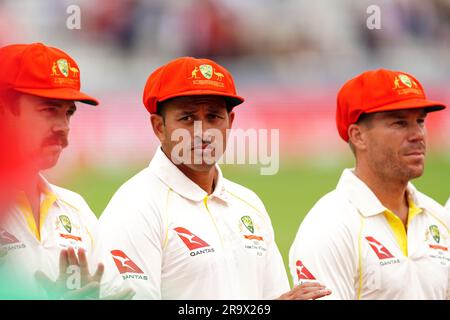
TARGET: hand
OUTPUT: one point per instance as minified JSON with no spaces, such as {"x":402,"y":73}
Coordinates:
{"x":59,"y":289}
{"x":306,"y":291}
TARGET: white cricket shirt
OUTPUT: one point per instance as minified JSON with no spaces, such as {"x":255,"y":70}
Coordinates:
{"x":65,"y":221}
{"x":163,"y":236}
{"x":360,"y":250}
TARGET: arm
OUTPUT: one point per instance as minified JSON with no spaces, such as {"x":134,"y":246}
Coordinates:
{"x":324,"y":250}
{"x":130,"y":246}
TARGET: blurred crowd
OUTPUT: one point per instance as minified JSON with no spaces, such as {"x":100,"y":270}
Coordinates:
{"x":291,"y":41}
{"x":291,"y":54}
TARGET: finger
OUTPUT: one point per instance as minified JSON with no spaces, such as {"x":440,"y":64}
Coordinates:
{"x":99,"y":273}
{"x":91,"y":290}
{"x":126,"y":294}
{"x":84,"y":268}
{"x":73,"y":260}
{"x":316,"y":294}
{"x":63,"y":261}
{"x":310,"y":284}
{"x":308,"y":288}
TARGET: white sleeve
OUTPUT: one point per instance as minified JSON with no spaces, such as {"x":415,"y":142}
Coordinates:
{"x":131,"y":240}
{"x":275,"y":278}
{"x":324,"y":251}
{"x":276,"y":282}
{"x":447,"y":206}
{"x":90,"y":224}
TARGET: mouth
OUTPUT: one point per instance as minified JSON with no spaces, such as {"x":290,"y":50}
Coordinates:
{"x":56,"y":146}
{"x":202,"y":146}
{"x":416,"y":155}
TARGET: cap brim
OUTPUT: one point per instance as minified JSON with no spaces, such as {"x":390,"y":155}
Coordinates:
{"x":61,"y":94}
{"x":429,"y":105}
{"x":232,"y":100}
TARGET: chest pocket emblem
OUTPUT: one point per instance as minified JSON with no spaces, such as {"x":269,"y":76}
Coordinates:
{"x":65,"y":221}
{"x":248,"y":223}
{"x":434,"y":231}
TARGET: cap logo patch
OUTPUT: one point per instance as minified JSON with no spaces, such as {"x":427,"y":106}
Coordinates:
{"x":206,"y":70}
{"x":63,"y":66}
{"x":63,"y":73}
{"x":405,"y":85}
{"x":406,"y":80}
{"x":210,"y":75}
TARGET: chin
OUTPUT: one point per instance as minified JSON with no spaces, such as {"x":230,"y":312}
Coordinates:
{"x":416,"y":171}
{"x":204,"y":167}
{"x":48,"y":162}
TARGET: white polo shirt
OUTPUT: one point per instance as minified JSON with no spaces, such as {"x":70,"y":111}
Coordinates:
{"x":360,"y":250}
{"x":163,"y":236}
{"x":65,"y":221}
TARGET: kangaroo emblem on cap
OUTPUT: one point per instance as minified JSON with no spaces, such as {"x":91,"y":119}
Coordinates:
{"x":218,"y":75}
{"x":194,"y":73}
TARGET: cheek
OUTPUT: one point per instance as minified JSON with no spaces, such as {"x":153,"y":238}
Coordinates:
{"x":176,"y":135}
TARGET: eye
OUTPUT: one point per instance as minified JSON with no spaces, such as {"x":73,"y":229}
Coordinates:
{"x":421,"y":121}
{"x":71,"y":112}
{"x":401,"y":123}
{"x":213,"y":116}
{"x":186,"y":118}
{"x":49,"y":109}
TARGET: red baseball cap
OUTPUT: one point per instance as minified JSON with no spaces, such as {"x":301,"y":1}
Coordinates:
{"x":377,"y":91}
{"x":41,"y":71}
{"x":189,"y":76}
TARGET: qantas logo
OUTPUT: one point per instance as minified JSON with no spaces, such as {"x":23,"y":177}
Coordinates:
{"x":302,"y":272}
{"x":190,"y":240}
{"x":123,"y":263}
{"x":7,"y":238}
{"x":379,"y":249}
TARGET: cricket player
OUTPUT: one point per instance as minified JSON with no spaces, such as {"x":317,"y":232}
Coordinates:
{"x":179,"y":229}
{"x":376,"y":236}
{"x":45,"y":228}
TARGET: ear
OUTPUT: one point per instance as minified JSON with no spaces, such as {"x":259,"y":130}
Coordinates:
{"x":157,"y":122}
{"x":231,"y":118}
{"x":358,"y":136}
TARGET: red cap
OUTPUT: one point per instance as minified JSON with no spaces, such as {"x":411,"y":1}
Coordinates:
{"x":188,"y":76}
{"x":376,"y":91}
{"x":41,"y":71}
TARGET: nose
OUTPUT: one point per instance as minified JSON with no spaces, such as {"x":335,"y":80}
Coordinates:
{"x":62,"y":124}
{"x":417,"y":133}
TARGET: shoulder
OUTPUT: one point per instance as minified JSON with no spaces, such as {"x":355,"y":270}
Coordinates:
{"x":435,"y":208}
{"x":138,"y":198}
{"x":77,"y":202}
{"x":141,"y":189}
{"x":331,"y":220}
{"x":72,"y":199}
{"x":244,"y":194}
{"x":333,"y":208}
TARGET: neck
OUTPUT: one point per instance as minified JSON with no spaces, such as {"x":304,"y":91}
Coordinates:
{"x":29,"y":184}
{"x":390,"y":192}
{"x":204,"y":179}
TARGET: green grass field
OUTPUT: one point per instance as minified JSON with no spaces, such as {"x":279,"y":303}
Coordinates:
{"x":287,"y":195}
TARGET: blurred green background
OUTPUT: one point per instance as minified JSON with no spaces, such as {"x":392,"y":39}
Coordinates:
{"x":288,"y":195}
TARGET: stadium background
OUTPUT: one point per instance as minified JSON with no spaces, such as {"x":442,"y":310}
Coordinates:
{"x":288,"y":58}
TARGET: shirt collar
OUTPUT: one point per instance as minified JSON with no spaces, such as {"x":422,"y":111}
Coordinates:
{"x":360,"y":195}
{"x":180,"y":183}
